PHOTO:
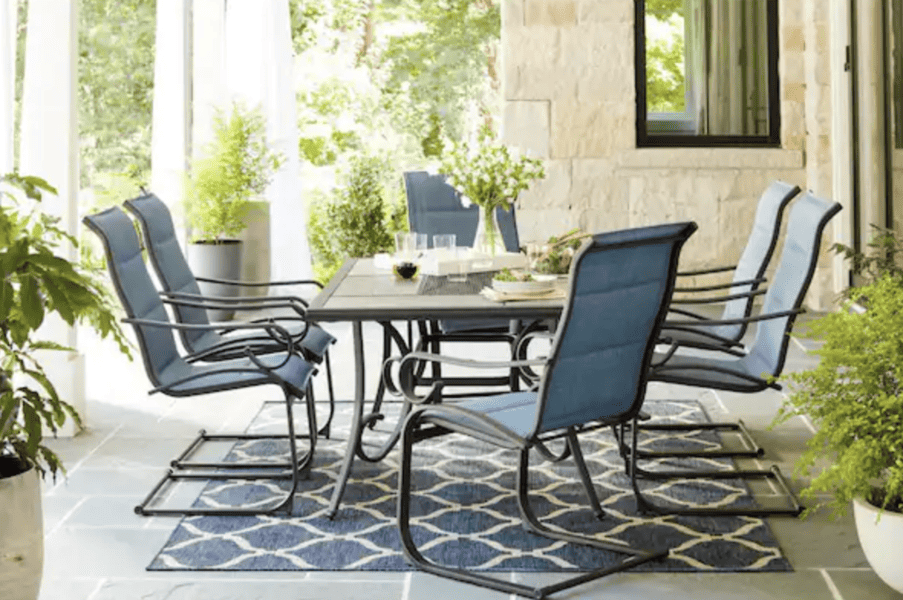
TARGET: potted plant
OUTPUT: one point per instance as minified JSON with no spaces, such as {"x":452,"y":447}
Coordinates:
{"x":855,"y":398}
{"x":37,"y":282}
{"x":236,"y":168}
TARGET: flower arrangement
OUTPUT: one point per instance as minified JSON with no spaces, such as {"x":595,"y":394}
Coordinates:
{"x":489,"y":175}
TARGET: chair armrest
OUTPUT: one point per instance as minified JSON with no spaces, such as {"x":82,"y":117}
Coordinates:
{"x":408,"y":366}
{"x":752,"y":319}
{"x":278,"y":333}
{"x":722,"y":269}
{"x":228,"y":302}
{"x":686,"y":313}
{"x":313,"y":282}
{"x":715,"y":299}
{"x":721,"y":286}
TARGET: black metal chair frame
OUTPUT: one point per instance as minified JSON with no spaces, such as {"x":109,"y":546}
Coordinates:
{"x":662,"y":370}
{"x":183,"y":469}
{"x":430,"y":419}
{"x":229,"y":349}
{"x":732,"y":345}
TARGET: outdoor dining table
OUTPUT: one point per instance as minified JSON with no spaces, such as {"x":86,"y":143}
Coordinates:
{"x":361,"y":291}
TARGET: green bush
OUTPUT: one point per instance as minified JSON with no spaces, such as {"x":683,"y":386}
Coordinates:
{"x":359,"y":219}
{"x":855,"y":398}
{"x":237,"y":167}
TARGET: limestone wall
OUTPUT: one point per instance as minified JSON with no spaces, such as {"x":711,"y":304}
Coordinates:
{"x":569,"y":97}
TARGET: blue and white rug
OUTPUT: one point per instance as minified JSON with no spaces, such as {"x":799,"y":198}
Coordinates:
{"x":465,"y":512}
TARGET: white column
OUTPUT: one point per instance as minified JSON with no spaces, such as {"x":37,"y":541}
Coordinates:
{"x":171,"y":142}
{"x":259,"y":67}
{"x":841,"y":226}
{"x":49,"y":149}
{"x":7,"y":82}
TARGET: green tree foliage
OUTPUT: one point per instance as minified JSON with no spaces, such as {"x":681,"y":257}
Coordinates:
{"x":665,"y":81}
{"x":237,"y":166}
{"x":665,"y":51}
{"x":358,"y":219}
{"x":438,"y":70}
{"x":115,"y":87}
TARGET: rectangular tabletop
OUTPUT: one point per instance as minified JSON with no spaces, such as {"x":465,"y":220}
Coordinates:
{"x":361,"y":292}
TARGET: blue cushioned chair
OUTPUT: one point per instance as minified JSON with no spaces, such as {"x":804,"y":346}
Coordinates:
{"x":620,"y":286}
{"x":748,"y":275}
{"x":434,"y":207}
{"x":764,"y":361}
{"x":173,"y":375}
{"x":181,"y":291}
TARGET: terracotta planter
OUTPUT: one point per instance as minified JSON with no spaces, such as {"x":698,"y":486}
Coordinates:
{"x":21,"y":532}
{"x":882,"y":541}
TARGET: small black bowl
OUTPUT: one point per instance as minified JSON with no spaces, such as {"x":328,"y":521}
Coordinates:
{"x":406,"y":270}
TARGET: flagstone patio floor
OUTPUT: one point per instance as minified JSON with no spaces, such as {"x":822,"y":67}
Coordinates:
{"x":97,"y":548}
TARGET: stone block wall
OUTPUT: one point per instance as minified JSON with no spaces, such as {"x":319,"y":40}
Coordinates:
{"x":569,"y":93}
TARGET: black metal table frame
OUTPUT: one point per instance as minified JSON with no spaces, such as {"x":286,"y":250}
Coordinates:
{"x":385,"y":313}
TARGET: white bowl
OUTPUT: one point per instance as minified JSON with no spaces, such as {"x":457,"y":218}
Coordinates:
{"x":523,"y":287}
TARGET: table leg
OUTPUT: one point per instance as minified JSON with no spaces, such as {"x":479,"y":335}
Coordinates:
{"x":355,"y":433}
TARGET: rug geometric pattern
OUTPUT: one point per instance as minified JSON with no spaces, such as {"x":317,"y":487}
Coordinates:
{"x":464,"y":511}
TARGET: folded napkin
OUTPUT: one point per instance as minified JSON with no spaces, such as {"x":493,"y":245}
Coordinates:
{"x":554,"y":293}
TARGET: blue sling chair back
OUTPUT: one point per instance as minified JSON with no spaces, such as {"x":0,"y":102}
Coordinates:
{"x":759,"y":367}
{"x":745,"y":285}
{"x":434,"y":207}
{"x":595,"y":376}
{"x":181,"y":291}
{"x":173,"y":375}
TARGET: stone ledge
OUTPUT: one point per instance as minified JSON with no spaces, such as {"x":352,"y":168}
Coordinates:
{"x":712,"y":158}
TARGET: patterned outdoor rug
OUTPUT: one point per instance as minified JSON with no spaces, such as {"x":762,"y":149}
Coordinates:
{"x":465,"y":512}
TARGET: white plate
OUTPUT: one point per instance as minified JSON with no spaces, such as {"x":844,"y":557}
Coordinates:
{"x":523,"y":287}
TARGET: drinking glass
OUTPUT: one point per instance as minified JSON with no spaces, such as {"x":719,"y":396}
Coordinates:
{"x":462,"y":256}
{"x":404,"y":246}
{"x":444,"y":245}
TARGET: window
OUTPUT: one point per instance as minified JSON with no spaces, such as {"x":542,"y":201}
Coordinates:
{"x":707,"y":73}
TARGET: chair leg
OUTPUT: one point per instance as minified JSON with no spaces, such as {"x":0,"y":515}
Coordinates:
{"x":326,"y":429}
{"x":574,"y":446}
{"x":412,"y":553}
{"x":293,"y":471}
{"x":644,"y":505}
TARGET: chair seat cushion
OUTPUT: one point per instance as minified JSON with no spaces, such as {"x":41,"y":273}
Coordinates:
{"x":468,"y":325}
{"x":704,"y":371}
{"x":316,"y":342}
{"x":515,"y":411}
{"x":236,"y":374}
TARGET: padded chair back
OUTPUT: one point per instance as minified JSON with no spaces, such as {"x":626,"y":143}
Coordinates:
{"x":138,"y":295}
{"x":168,"y":260}
{"x":794,"y":273}
{"x":435,"y":207}
{"x":759,"y":248}
{"x":620,"y":287}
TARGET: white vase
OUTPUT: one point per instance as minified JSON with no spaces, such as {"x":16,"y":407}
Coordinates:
{"x":488,"y":239}
{"x":881,"y":541}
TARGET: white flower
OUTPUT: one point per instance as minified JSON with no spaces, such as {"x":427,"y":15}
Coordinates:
{"x":465,"y":201}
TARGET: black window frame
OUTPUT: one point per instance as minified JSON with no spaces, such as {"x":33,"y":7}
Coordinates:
{"x":645,"y":139}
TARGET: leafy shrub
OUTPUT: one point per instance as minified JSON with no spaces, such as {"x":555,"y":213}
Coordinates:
{"x":855,"y":398}
{"x":883,"y":256}
{"x":237,"y":167}
{"x":357,"y":220}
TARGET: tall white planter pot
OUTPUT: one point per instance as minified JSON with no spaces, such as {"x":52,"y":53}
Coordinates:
{"x":21,"y":533}
{"x":881,"y":541}
{"x":221,"y":260}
